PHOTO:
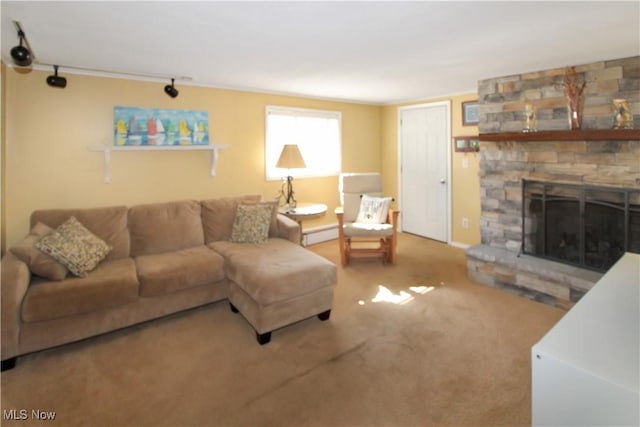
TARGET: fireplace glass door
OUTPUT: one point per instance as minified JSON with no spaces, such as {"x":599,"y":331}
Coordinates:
{"x":586,"y":226}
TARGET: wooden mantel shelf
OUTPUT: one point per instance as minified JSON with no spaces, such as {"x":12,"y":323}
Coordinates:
{"x":565,"y":135}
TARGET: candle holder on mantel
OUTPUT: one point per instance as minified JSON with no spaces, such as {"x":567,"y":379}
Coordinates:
{"x":573,"y":90}
{"x":622,"y":118}
{"x":529,"y":118}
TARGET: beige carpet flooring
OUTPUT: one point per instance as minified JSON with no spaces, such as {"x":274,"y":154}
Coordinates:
{"x":455,"y":353}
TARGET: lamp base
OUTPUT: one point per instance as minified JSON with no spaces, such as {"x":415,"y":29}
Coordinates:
{"x":290,"y":200}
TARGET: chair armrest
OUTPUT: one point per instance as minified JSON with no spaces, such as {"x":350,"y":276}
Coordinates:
{"x":288,"y":229}
{"x":392,"y":218}
{"x":339,"y":211}
{"x":15,"y":278}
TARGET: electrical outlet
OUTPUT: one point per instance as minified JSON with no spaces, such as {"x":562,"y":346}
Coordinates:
{"x":465,"y":222}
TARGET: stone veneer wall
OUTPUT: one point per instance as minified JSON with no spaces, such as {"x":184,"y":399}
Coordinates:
{"x":503,"y":165}
{"x":502,"y":99}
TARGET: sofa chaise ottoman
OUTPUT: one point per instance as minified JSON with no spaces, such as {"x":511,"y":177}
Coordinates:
{"x":275,"y":284}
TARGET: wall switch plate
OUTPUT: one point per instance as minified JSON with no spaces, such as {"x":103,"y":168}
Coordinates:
{"x":465,"y":222}
{"x":465,"y":163}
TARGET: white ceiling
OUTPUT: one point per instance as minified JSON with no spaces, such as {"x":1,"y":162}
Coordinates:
{"x":368,"y":52}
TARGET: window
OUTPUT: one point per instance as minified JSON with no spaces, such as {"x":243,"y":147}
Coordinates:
{"x":317,"y":133}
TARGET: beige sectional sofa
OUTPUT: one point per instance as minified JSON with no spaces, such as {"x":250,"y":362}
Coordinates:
{"x":165,"y":258}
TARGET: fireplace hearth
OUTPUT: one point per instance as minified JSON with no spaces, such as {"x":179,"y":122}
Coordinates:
{"x":581,"y":225}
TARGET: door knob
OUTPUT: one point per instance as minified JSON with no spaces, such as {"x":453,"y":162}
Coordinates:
{"x":442,"y":181}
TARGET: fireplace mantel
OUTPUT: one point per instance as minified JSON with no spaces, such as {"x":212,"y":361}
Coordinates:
{"x":565,"y":135}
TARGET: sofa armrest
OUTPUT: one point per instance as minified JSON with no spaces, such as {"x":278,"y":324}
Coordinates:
{"x":15,"y":278}
{"x":289,"y":229}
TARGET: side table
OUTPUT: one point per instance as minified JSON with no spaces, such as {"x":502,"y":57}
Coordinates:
{"x":303,"y":212}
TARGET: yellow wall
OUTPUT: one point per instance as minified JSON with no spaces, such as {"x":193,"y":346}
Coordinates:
{"x":466,"y":182}
{"x":46,"y":163}
{"x":465,"y":192}
{"x":48,"y":131}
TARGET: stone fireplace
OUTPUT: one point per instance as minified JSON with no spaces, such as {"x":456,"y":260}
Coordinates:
{"x":595,"y":157}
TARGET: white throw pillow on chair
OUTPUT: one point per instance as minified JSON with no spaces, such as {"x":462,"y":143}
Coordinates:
{"x":373,"y":210}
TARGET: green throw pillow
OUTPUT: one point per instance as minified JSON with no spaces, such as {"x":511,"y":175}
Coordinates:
{"x":75,"y":247}
{"x":251,"y":224}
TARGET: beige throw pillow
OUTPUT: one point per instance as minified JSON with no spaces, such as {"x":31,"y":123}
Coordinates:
{"x":39,"y":263}
{"x":75,"y":247}
{"x":251,"y":224}
{"x":373,"y":210}
{"x":273,"y":226}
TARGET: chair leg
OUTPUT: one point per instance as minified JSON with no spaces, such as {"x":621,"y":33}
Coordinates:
{"x":385,"y":251}
{"x":344,"y":251}
{"x":392,"y":250}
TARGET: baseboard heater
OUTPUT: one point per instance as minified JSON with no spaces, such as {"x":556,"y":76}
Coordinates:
{"x":320,"y":234}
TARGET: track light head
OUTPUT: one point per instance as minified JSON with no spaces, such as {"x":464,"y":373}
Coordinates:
{"x":21,"y":55}
{"x":55,"y":80}
{"x":171,"y":90}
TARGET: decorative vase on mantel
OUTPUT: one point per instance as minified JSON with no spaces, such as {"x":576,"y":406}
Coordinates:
{"x":574,"y":107}
{"x":573,"y":90}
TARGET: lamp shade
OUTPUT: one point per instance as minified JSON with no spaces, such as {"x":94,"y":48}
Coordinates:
{"x":290,"y":158}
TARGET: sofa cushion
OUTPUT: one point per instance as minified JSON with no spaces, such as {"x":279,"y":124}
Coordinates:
{"x":109,"y":224}
{"x":218,"y":216}
{"x":165,"y":227}
{"x":251,"y":224}
{"x":112,"y":283}
{"x":77,"y":248}
{"x":275,"y":271}
{"x":172,"y":271}
{"x":39,"y":263}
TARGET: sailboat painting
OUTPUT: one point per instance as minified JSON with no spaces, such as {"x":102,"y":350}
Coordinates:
{"x":156,"y":126}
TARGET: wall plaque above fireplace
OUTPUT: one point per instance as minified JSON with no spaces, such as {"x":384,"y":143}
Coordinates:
{"x":582,"y":225}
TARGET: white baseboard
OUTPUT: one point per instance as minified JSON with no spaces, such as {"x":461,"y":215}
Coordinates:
{"x":311,"y":236}
{"x":459,"y":245}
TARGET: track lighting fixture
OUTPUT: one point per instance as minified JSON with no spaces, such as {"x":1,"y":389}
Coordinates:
{"x":55,"y":80}
{"x":20,"y":54}
{"x":23,"y":56}
{"x":171,"y":90}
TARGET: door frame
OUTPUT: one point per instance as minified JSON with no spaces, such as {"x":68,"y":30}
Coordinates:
{"x":448,"y":151}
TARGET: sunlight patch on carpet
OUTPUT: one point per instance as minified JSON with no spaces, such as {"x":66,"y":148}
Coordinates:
{"x":421,"y":289}
{"x":386,"y":295}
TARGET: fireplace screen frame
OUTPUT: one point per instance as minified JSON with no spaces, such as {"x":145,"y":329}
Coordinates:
{"x":581,"y":196}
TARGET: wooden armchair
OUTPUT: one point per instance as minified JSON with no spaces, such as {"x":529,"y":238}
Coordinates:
{"x":364,"y":239}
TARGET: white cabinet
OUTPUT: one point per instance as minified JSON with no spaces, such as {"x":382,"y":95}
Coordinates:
{"x":586,"y":369}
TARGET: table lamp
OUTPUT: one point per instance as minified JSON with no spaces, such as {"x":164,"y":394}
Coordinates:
{"x":290,"y":158}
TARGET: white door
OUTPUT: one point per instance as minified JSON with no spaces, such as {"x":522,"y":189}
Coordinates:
{"x":424,"y":170}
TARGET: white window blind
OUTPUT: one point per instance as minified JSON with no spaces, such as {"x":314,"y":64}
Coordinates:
{"x":317,"y":134}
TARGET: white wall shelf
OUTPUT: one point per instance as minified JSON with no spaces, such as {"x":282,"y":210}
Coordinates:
{"x":107,"y":149}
